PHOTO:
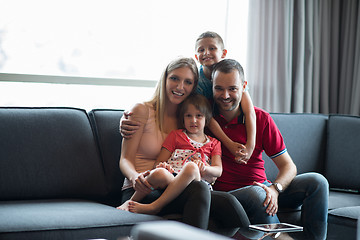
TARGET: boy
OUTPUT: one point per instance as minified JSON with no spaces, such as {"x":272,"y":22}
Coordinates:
{"x":210,"y":50}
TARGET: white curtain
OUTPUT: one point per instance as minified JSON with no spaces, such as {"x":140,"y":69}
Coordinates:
{"x":304,"y":56}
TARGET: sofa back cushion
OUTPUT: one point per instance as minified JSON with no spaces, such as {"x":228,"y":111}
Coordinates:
{"x":48,"y":153}
{"x":305,"y":139}
{"x":343,"y":152}
{"x":106,"y":125}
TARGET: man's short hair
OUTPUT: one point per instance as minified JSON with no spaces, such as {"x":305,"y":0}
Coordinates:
{"x":227,"y":66}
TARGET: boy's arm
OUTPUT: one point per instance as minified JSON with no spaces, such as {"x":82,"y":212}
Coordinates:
{"x":250,"y":124}
{"x":234,"y":147}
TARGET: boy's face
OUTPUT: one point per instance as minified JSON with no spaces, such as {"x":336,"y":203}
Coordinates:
{"x":209,"y":52}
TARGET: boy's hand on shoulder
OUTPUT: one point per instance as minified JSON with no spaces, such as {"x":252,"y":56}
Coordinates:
{"x":244,"y":154}
{"x":248,"y":151}
{"x":238,"y":150}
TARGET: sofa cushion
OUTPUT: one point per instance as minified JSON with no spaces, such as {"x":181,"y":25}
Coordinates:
{"x":171,"y":230}
{"x":56,"y":217}
{"x":348,"y":212}
{"x":305,"y":139}
{"x":106,"y":126}
{"x":345,"y":216}
{"x":48,"y":153}
{"x":343,"y":152}
{"x":338,"y":199}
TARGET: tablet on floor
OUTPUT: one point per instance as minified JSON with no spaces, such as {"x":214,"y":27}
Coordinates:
{"x":276,"y":227}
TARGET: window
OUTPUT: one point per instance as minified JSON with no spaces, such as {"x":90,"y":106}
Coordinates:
{"x":108,"y":39}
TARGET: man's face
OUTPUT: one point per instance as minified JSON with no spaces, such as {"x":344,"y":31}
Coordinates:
{"x":228,"y":90}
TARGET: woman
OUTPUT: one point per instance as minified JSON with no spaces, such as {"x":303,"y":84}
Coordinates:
{"x":157,"y":119}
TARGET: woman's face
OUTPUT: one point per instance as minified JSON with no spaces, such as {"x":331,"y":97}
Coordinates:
{"x":179,"y":84}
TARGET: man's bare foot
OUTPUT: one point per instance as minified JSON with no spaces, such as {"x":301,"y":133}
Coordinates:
{"x":124,"y":206}
{"x":136,"y":207}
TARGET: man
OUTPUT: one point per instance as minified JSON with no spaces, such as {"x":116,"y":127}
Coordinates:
{"x":247,"y":182}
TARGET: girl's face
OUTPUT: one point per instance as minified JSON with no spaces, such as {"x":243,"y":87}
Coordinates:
{"x":194,"y":120}
{"x":179,"y":84}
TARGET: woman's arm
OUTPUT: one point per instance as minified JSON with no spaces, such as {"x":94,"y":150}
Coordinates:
{"x":250,"y":123}
{"x":129,"y":150}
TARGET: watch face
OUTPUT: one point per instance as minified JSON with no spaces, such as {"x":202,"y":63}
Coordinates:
{"x":278,"y":187}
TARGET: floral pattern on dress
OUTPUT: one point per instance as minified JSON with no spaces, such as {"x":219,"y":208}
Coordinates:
{"x":181,"y":156}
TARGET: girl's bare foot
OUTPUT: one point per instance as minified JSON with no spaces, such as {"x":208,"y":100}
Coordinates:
{"x":124,"y":206}
{"x":136,"y":207}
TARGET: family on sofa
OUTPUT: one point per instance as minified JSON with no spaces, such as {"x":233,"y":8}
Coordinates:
{"x":60,"y":175}
{"x":260,"y":201}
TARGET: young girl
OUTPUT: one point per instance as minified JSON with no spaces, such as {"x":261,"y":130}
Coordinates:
{"x":187,"y":154}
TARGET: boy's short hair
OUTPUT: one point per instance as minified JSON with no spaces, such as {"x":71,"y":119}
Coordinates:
{"x":227,"y":66}
{"x":209,"y":34}
{"x":200,"y":102}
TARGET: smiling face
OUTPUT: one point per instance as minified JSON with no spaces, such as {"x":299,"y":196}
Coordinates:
{"x":228,"y":89}
{"x":194,"y":120}
{"x":209,"y":51}
{"x":179,"y":84}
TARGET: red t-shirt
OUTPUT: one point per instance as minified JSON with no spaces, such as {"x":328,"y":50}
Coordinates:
{"x":268,"y":139}
{"x":178,"y":140}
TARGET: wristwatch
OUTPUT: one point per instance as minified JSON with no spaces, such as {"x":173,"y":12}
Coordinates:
{"x":278,"y":187}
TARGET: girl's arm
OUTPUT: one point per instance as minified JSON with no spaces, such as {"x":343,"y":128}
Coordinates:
{"x":212,"y":172}
{"x":129,"y":148}
{"x":250,"y":124}
{"x":161,"y":161}
{"x":234,"y":147}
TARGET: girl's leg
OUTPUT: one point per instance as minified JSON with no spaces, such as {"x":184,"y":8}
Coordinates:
{"x":159,"y":178}
{"x":189,"y":173}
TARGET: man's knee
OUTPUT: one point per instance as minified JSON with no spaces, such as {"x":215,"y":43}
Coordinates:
{"x":314,"y":181}
{"x":320,"y":180}
{"x":251,"y":196}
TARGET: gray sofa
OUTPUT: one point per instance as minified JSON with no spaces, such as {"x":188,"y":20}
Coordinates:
{"x":59,"y":174}
{"x":54,"y":183}
{"x":330,"y":145}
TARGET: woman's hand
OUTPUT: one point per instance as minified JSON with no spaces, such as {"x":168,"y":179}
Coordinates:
{"x":141,"y":184}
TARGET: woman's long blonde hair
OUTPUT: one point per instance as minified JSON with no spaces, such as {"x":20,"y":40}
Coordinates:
{"x":159,"y":97}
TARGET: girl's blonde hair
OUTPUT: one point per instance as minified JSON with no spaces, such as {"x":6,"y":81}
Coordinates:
{"x":159,"y":97}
